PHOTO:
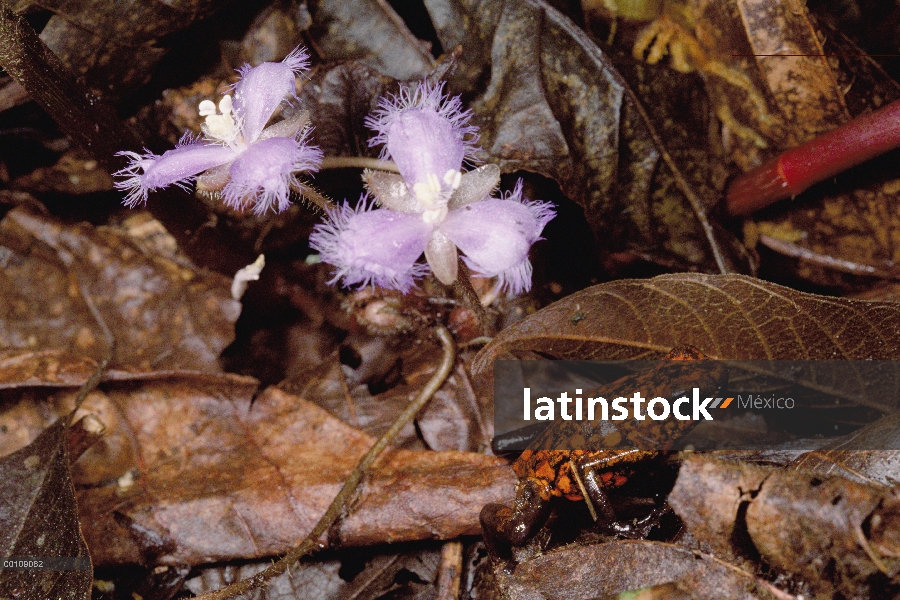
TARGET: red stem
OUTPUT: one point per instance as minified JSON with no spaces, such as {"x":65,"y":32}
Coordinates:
{"x":855,"y":142}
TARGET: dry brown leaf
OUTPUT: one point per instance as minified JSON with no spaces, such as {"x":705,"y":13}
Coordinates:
{"x":217,"y":477}
{"x":852,"y":456}
{"x":39,"y":518}
{"x":724,"y":316}
{"x":789,"y":56}
{"x":164,"y":313}
{"x":590,"y":571}
{"x":837,"y":534}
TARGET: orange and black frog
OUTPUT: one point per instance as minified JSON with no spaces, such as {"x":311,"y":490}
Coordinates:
{"x":580,"y":460}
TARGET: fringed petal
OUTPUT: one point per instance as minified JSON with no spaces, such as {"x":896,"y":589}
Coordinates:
{"x":372,"y":247}
{"x":496,"y":234}
{"x":261,"y":89}
{"x":147,"y":172}
{"x":262,"y":175}
{"x":428,"y":136}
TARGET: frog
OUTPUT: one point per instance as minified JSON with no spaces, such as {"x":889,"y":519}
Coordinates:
{"x":601,"y":456}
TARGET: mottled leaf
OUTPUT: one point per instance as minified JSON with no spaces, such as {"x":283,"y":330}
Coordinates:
{"x":791,"y":58}
{"x":39,"y":518}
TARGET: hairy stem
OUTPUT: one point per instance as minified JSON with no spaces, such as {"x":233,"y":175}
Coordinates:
{"x":310,"y":542}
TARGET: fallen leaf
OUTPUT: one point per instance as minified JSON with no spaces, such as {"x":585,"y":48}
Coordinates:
{"x":371,"y":32}
{"x":590,"y":571}
{"x":214,"y":477}
{"x":724,"y":316}
{"x":852,"y":456}
{"x":837,"y":534}
{"x":164,"y":313}
{"x":39,"y":519}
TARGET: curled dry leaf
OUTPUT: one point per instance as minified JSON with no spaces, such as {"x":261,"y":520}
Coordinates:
{"x":164,"y":313}
{"x":837,"y":534}
{"x":212,"y":476}
{"x":39,"y":518}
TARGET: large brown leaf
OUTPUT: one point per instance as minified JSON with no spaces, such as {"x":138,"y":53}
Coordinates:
{"x":39,"y":518}
{"x":218,"y":475}
{"x":725,"y":316}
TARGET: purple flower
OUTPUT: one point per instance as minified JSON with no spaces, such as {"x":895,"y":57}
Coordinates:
{"x":431,"y":207}
{"x":254,"y":166}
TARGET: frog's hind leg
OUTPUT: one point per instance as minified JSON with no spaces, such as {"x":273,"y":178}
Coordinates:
{"x":505,"y":527}
{"x":594,"y":482}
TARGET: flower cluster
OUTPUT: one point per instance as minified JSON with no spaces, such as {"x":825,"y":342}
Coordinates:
{"x":432,"y":206}
{"x":253,"y":166}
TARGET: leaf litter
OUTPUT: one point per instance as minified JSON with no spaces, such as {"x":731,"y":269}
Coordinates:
{"x":198,"y":465}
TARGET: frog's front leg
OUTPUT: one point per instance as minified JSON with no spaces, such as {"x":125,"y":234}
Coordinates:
{"x":505,"y":527}
{"x":604,"y":470}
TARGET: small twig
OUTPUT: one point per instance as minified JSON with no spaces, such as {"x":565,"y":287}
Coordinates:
{"x":887,"y":271}
{"x":94,"y":380}
{"x":584,"y":492}
{"x":450,"y":573}
{"x":358,"y":162}
{"x":310,"y":542}
{"x":463,"y":289}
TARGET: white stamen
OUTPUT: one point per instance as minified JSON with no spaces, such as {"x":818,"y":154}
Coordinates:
{"x":207,"y":107}
{"x":218,"y":127}
{"x":428,"y":192}
{"x":225,"y":105}
{"x":453,"y":178}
